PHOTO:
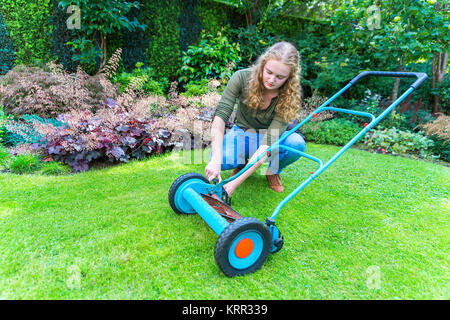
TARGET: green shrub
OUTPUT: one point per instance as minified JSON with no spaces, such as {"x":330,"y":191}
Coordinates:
{"x":142,"y":79}
{"x":55,"y":168}
{"x":336,"y":131}
{"x":196,"y":88}
{"x":397,"y":141}
{"x":441,"y":147}
{"x":252,"y":43}
{"x":371,"y":104}
{"x":439,"y":131}
{"x":24,"y":163}
{"x":201,"y":87}
{"x":21,"y":130}
{"x":5,"y":157}
{"x":215,"y":57}
{"x":60,"y":35}
{"x":3,"y":118}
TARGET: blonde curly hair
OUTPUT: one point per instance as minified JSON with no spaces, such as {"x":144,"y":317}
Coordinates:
{"x":290,"y":93}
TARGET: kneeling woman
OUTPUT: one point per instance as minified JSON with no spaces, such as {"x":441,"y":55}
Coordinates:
{"x":268,"y":98}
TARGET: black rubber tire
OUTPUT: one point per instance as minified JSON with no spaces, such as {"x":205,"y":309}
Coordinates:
{"x":177,"y":183}
{"x":226,"y":239}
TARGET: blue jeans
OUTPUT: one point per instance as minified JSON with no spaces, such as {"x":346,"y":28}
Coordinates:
{"x":239,"y":145}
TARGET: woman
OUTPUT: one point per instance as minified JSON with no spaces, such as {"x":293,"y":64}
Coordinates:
{"x":268,"y":97}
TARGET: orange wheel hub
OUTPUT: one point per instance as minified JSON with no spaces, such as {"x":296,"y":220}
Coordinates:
{"x":244,"y":248}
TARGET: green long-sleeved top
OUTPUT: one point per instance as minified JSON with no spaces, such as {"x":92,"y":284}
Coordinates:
{"x":247,"y":118}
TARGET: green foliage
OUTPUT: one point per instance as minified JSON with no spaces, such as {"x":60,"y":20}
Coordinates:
{"x":21,"y":130}
{"x":23,"y":164}
{"x":60,"y":36}
{"x":397,"y":141}
{"x":335,"y":131}
{"x":201,"y":87}
{"x":144,"y":79}
{"x":441,"y":147}
{"x":190,"y":24}
{"x":252,"y":43}
{"x":5,"y":157}
{"x":404,"y":32}
{"x":135,"y":42}
{"x":7,"y":48}
{"x":163,"y":52}
{"x":371,"y":104}
{"x":196,"y":88}
{"x":334,"y":70}
{"x":213,"y":57}
{"x":213,"y":16}
{"x":28,"y":26}
{"x":55,"y":168}
{"x":100,"y":20}
{"x":3,"y":118}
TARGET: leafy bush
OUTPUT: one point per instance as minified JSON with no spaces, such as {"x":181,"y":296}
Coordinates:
{"x":214,"y":57}
{"x":371,"y":104}
{"x":441,"y":147}
{"x":55,"y":168}
{"x":439,"y":131}
{"x":110,"y":134}
{"x":252,"y":43}
{"x":439,"y":127}
{"x":5,"y":156}
{"x":201,"y":87}
{"x":3,"y":118}
{"x":396,"y":141}
{"x":47,"y":93}
{"x":24,"y":163}
{"x":336,"y":131}
{"x":100,"y":20}
{"x":142,"y":79}
{"x":22,"y":130}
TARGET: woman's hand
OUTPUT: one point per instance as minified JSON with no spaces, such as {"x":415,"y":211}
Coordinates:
{"x":212,"y":170}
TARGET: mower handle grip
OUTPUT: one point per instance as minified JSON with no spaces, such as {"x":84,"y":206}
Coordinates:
{"x":419,"y":75}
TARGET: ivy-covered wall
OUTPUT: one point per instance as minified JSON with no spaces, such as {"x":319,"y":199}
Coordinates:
{"x":28,"y":25}
{"x":36,"y":32}
{"x":163,"y":52}
{"x":7,"y":49}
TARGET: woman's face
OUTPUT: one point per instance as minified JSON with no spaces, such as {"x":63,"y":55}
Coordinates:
{"x":275,"y":74}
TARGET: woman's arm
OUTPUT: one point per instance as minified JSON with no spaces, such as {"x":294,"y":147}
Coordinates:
{"x":212,"y":170}
{"x":231,"y":186}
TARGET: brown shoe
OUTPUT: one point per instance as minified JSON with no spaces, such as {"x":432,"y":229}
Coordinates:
{"x":275,"y":182}
{"x":235,"y":171}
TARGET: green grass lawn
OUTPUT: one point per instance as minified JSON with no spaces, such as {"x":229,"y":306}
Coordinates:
{"x":371,"y":226}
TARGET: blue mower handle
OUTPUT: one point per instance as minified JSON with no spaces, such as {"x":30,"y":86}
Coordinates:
{"x":421,"y":77}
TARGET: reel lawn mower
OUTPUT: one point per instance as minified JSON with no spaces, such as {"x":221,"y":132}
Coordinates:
{"x":244,"y":243}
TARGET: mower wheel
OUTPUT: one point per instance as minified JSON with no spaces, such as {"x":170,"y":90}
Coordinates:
{"x":175,"y":200}
{"x":243,"y":247}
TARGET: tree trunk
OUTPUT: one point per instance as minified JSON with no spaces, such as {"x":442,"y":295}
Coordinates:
{"x":103,"y":48}
{"x":438,"y":69}
{"x":397,"y":81}
{"x":395,"y":89}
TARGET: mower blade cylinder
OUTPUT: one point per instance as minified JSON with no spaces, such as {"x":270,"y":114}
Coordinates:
{"x":215,"y":221}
